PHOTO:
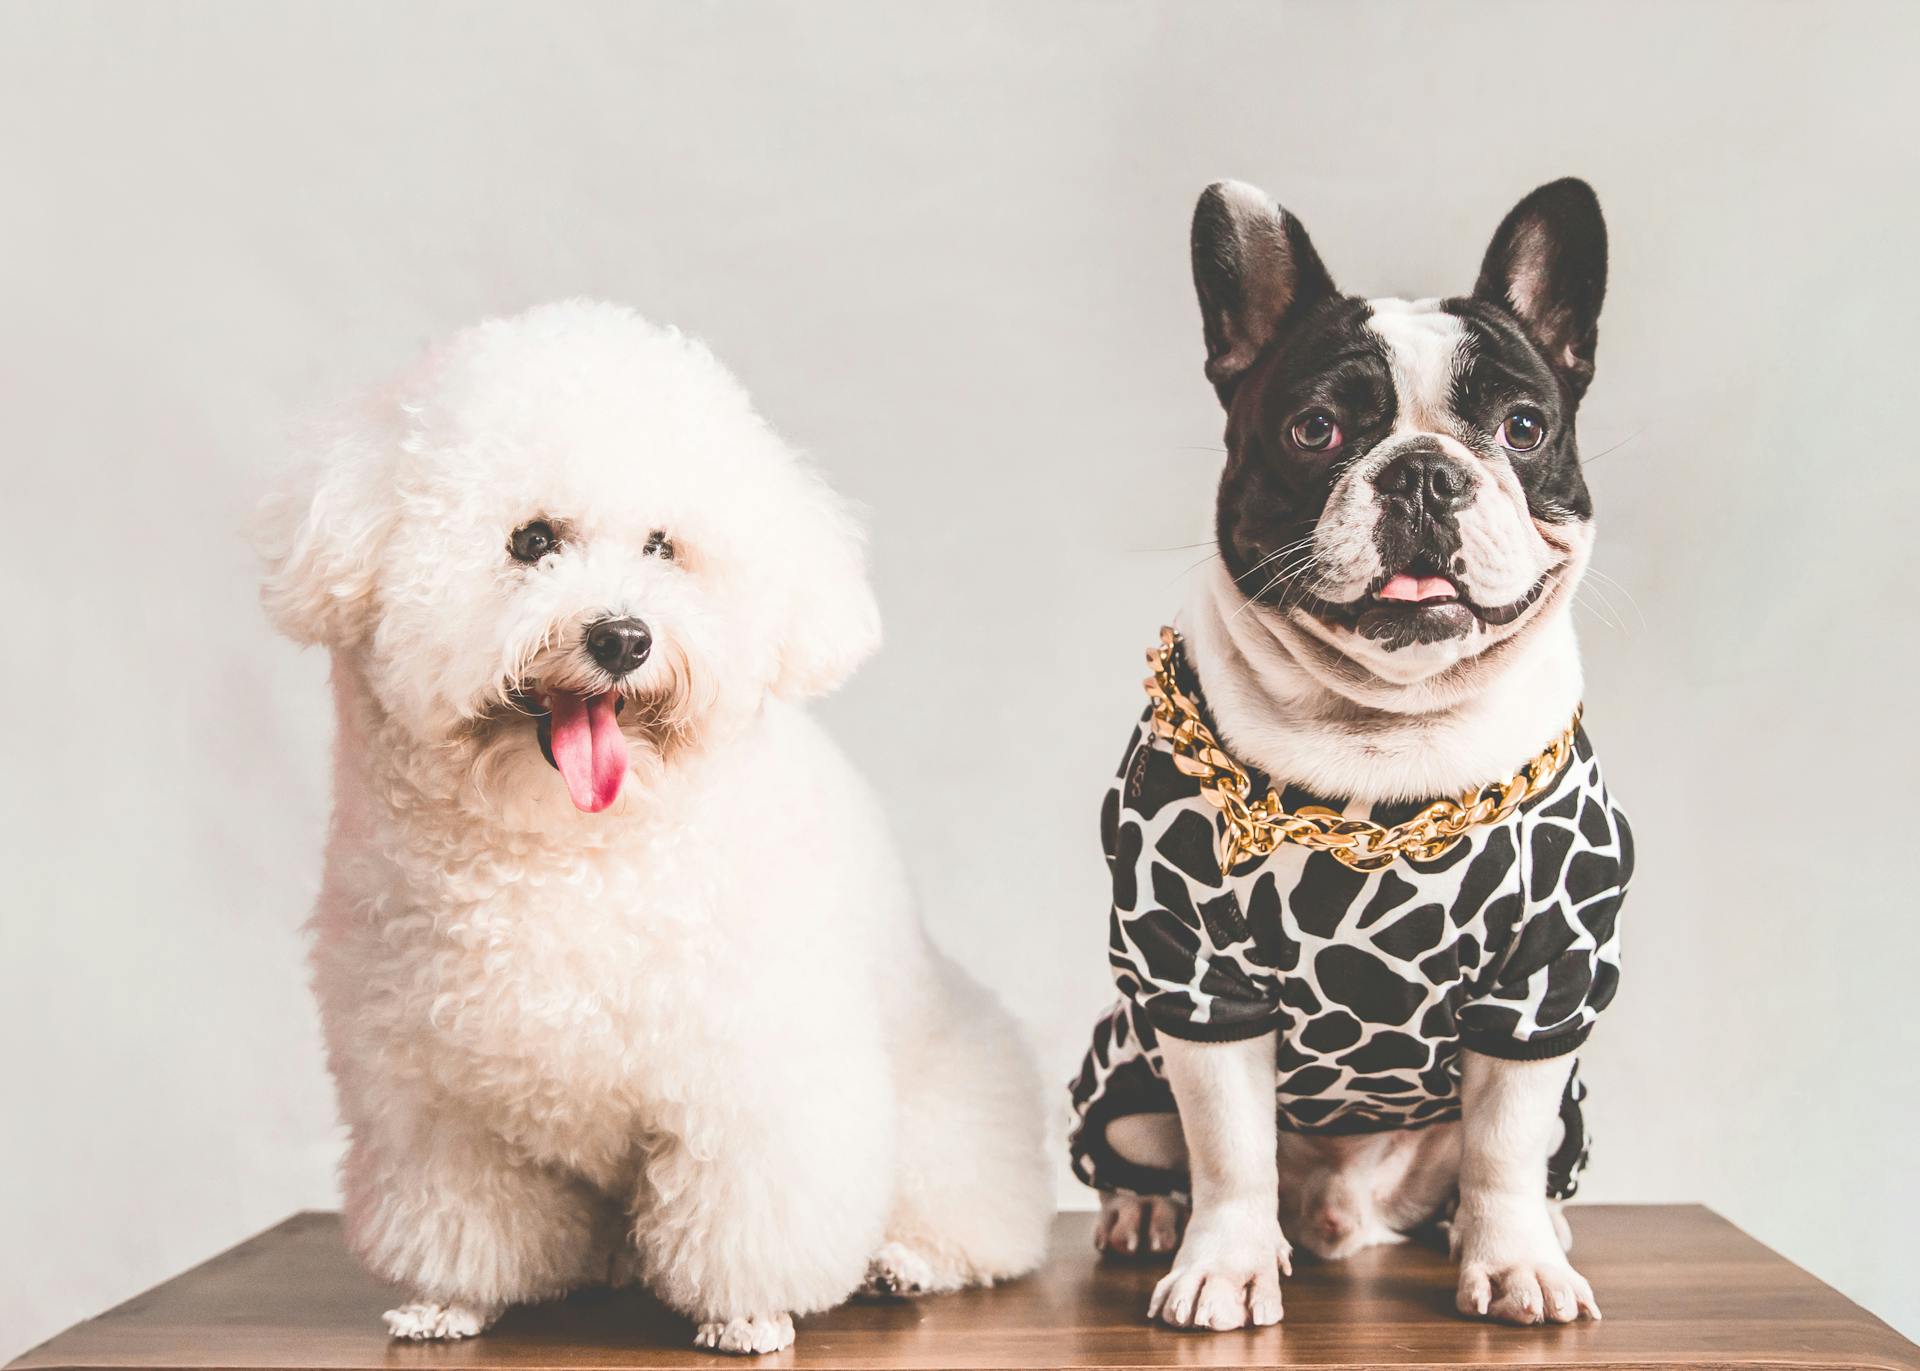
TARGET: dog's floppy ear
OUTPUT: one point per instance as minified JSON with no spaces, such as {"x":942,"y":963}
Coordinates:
{"x":321,"y":536}
{"x":1253,"y":265}
{"x":1547,"y":264}
{"x":833,"y":620}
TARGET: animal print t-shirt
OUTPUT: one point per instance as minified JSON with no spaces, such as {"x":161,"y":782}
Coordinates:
{"x":1506,"y":944}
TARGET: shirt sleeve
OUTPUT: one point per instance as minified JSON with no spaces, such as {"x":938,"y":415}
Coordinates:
{"x":1178,"y":940}
{"x":1562,"y":964}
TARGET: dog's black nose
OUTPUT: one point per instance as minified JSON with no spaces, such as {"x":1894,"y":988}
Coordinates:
{"x":619,"y":645}
{"x":1426,"y":477}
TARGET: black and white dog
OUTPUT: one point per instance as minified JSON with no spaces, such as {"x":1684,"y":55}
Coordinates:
{"x":1302,"y":1050}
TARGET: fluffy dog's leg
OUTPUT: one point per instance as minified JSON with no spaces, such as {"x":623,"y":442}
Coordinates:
{"x":765,"y":1196}
{"x":1513,"y":1265}
{"x":973,"y":1193}
{"x":443,"y":1211}
{"x":1227,"y":1272}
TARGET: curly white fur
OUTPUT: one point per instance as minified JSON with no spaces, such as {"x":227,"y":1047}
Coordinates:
{"x":702,"y":1031}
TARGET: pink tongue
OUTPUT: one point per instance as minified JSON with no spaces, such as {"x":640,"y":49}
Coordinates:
{"x":589,"y":749}
{"x":1417,"y":588}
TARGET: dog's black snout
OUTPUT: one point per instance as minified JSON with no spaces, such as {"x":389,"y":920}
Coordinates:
{"x":1426,"y":477}
{"x":619,"y":645}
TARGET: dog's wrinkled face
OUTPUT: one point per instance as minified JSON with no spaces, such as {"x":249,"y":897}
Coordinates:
{"x":1402,"y":493}
{"x":563,"y":547}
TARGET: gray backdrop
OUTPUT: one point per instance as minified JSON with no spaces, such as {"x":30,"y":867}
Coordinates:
{"x":946,"y":248}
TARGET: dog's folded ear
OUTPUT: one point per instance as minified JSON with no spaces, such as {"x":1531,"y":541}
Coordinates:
{"x":1253,"y":266}
{"x":833,"y":620}
{"x":321,"y":535}
{"x":1547,"y":265}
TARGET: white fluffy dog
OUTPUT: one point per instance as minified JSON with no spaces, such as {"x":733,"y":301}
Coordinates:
{"x":618,"y":967}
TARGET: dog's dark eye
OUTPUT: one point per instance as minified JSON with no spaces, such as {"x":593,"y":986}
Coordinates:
{"x":1522,"y":430}
{"x":531,"y":542}
{"x":1315,"y":431}
{"x":659,"y":545}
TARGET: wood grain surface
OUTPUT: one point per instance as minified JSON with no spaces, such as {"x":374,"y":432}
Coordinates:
{"x":1679,"y":1285}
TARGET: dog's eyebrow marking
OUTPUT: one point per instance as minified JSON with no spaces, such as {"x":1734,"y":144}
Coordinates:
{"x":1485,"y":370}
{"x":1357,"y":379}
{"x":1359,"y":354}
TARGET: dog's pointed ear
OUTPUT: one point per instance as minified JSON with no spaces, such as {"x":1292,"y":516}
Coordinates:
{"x":1547,"y":265}
{"x":321,"y":537}
{"x":833,"y":620}
{"x":1253,"y":267}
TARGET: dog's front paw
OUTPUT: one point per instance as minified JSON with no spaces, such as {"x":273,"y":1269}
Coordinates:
{"x":425,"y":1320}
{"x":897,"y":1272}
{"x":1513,"y":1268}
{"x":747,"y":1337}
{"x":1226,"y":1276}
{"x":1526,"y":1292}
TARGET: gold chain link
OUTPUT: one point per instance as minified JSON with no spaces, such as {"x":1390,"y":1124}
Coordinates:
{"x":1254,"y":828}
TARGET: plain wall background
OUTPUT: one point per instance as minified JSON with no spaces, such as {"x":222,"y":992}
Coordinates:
{"x":945,"y":247}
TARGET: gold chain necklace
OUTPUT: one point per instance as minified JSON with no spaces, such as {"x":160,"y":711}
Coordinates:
{"x":1254,"y":828}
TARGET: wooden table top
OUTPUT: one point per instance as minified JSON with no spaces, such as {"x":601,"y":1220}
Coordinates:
{"x":1680,"y":1287}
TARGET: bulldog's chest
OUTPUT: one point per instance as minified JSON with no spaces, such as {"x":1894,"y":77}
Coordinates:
{"x":1374,"y":969}
{"x":1370,"y":968}
{"x":1389,"y":938}
{"x":1393,"y":941}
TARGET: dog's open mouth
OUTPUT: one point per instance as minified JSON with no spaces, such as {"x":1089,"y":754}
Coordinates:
{"x":1407,"y":607}
{"x":581,"y":739}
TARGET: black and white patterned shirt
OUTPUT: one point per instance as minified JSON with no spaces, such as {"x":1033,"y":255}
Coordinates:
{"x":1507,"y":944}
